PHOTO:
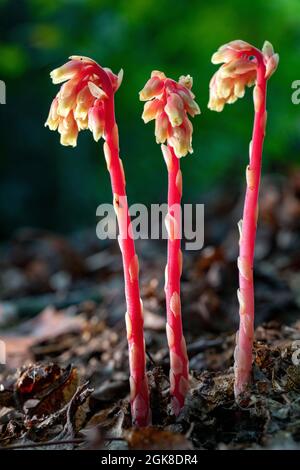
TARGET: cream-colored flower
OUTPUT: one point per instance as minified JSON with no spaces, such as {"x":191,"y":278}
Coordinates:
{"x":79,"y":104}
{"x":169,"y":103}
{"x":239,"y":70}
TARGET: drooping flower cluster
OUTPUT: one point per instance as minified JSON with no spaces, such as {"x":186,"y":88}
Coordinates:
{"x":239,"y":70}
{"x":169,"y":103}
{"x":80,"y":102}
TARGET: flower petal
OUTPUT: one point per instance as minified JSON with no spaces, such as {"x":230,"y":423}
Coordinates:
{"x":175,"y":109}
{"x":161,"y":128}
{"x":151,"y":110}
{"x":96,"y":121}
{"x":65,"y":72}
{"x":96,"y":91}
{"x":153,"y":88}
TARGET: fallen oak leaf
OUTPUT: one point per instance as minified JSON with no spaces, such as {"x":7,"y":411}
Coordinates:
{"x":33,"y":382}
{"x":71,"y":417}
{"x":36,"y":380}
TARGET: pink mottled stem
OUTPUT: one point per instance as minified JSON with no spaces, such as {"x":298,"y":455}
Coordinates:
{"x":243,"y":353}
{"x":134,"y":316}
{"x":245,"y":65}
{"x":170,"y":104}
{"x":86,"y":101}
{"x":179,"y":368}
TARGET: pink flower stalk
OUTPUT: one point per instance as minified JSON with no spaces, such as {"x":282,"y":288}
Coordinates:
{"x":86,"y":101}
{"x":169,"y":102}
{"x":244,"y":65}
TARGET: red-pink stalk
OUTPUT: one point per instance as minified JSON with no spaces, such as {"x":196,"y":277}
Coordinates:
{"x":134,"y":316}
{"x":86,"y":100}
{"x":179,"y":365}
{"x":243,"y":354}
{"x":169,"y":103}
{"x":244,"y":65}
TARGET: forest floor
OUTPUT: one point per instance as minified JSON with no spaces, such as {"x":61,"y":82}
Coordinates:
{"x":65,"y":381}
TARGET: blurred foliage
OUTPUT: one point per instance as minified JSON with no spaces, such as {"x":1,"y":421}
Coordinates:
{"x":44,"y":184}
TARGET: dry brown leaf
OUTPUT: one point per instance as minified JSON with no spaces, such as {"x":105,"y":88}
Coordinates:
{"x":58,"y":396}
{"x":155,"y":439}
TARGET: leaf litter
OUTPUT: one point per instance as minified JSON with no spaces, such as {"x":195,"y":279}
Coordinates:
{"x":65,"y":383}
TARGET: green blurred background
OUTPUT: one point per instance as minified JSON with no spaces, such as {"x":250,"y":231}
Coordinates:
{"x":46,"y":185}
